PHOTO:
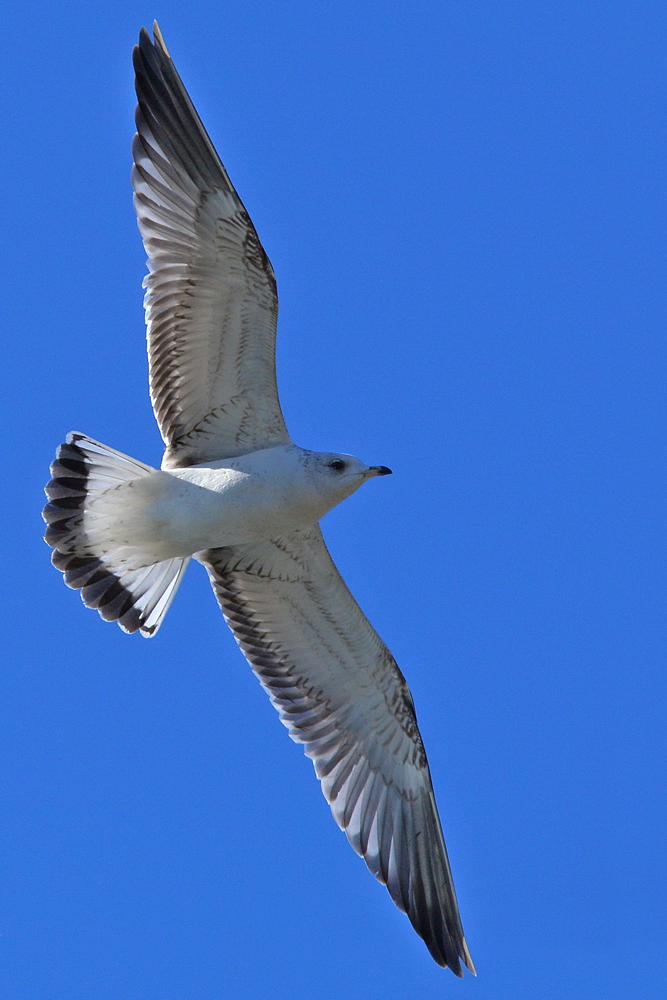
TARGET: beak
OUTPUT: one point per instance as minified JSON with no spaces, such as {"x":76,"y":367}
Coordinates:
{"x":378,"y":470}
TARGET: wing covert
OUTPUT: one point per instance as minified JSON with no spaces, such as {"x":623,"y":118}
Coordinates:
{"x":339,"y":691}
{"x":211,"y":302}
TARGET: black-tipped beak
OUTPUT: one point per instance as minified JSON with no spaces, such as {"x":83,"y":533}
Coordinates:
{"x":379,"y":470}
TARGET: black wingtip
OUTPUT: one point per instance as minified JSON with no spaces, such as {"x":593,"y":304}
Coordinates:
{"x":159,"y":40}
{"x":143,"y":45}
{"x":467,"y":959}
{"x":156,"y":42}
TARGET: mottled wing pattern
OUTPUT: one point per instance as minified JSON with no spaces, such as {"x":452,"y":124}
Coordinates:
{"x":211,"y":302}
{"x":340,"y":692}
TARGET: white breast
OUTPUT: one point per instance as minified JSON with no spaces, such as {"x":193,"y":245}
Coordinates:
{"x":177,"y":512}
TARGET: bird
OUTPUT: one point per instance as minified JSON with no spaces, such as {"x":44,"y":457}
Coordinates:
{"x":235,"y":493}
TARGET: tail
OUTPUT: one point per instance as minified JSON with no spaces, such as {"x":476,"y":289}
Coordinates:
{"x":137,"y":599}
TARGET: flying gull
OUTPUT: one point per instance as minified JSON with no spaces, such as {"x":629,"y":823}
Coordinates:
{"x":236,"y":493}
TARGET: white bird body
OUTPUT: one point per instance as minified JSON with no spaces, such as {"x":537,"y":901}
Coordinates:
{"x":250,"y":498}
{"x":236,"y":493}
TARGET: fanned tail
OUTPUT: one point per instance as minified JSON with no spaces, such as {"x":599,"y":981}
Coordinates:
{"x":137,"y":599}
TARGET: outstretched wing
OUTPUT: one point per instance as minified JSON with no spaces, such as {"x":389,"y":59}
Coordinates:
{"x":211,"y":302}
{"x":339,"y":691}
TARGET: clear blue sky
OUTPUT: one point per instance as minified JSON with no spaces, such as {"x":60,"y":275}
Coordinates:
{"x":465,"y":205}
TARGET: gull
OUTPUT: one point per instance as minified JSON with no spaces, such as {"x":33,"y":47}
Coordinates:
{"x":239,"y":496}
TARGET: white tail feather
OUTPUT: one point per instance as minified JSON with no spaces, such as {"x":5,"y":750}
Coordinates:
{"x":137,"y":599}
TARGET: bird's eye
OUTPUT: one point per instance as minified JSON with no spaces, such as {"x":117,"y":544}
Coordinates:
{"x":337,"y":465}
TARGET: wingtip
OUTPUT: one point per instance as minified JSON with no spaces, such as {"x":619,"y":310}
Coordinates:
{"x":467,"y":959}
{"x":159,"y":40}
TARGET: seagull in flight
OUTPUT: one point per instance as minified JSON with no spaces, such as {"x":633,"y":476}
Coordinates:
{"x":239,"y":496}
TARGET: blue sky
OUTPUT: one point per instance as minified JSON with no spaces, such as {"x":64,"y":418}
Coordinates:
{"x":465,"y":207}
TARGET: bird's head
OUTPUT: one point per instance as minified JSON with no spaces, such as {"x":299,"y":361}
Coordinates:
{"x":339,"y":475}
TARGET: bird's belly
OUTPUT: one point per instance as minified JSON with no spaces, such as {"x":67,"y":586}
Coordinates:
{"x":164,"y":516}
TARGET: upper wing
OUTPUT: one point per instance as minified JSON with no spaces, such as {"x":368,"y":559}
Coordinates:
{"x":211,"y":302}
{"x":339,"y":691}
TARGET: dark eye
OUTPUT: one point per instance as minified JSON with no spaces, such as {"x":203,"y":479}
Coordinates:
{"x":337,"y":465}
